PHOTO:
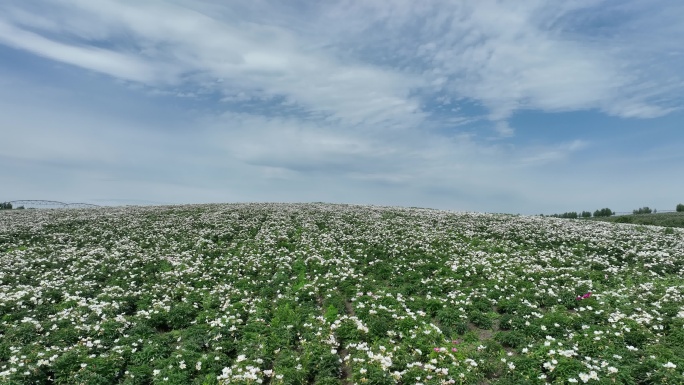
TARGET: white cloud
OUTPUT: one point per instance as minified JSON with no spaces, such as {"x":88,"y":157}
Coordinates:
{"x":96,"y":59}
{"x":536,"y":155}
{"x":527,"y":55}
{"x":170,"y":42}
{"x":361,"y":61}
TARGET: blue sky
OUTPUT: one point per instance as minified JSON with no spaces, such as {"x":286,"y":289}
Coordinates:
{"x":519,"y":107}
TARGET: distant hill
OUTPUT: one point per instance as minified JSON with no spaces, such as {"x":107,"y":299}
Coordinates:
{"x":658,"y":219}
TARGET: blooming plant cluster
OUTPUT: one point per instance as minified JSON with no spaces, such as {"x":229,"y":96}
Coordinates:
{"x":583,"y":296}
{"x":335,"y":294}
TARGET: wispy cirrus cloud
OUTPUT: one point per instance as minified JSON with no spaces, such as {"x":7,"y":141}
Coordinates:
{"x":162,"y":43}
{"x":531,"y":55}
{"x":364,"y":62}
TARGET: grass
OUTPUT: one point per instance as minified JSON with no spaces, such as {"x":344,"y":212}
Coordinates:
{"x":335,"y":294}
{"x":675,"y":219}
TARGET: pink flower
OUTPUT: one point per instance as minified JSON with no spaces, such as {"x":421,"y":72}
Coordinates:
{"x":454,"y":349}
{"x":436,"y":349}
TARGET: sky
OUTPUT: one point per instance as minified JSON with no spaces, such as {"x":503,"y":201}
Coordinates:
{"x":522,"y":107}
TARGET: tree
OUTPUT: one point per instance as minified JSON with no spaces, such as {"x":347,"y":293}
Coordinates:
{"x":643,"y":210}
{"x":603,"y":213}
{"x":680,"y":208}
{"x":5,"y":206}
{"x":586,"y":214}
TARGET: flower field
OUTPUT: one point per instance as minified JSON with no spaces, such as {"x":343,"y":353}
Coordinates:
{"x":335,"y":294}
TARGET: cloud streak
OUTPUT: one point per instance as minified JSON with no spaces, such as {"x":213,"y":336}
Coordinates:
{"x":506,"y":56}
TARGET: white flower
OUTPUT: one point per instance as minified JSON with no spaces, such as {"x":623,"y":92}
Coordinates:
{"x":471,"y":362}
{"x":669,"y":365}
{"x":584,"y":377}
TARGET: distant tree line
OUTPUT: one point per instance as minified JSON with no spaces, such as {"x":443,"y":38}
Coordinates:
{"x":571,"y":215}
{"x":584,"y":214}
{"x":643,"y":210}
{"x":606,"y":212}
{"x":648,"y":210}
{"x":8,"y":206}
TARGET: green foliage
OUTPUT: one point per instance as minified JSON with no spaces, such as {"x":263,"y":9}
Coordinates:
{"x":319,"y":362}
{"x":680,"y":208}
{"x":511,"y":339}
{"x":480,"y":304}
{"x":642,"y":210}
{"x":480,"y":319}
{"x":181,"y":316}
{"x":637,"y":336}
{"x":374,"y":376}
{"x":624,"y":219}
{"x":5,"y":206}
{"x":286,"y":364}
{"x":328,"y":381}
{"x":461,"y":328}
{"x":605,"y":212}
{"x":586,"y":214}
{"x":348,"y":331}
{"x":673,"y":219}
{"x":379,"y":326}
{"x":67,"y":364}
{"x":449,"y":317}
{"x":331,"y":313}
{"x":571,"y":215}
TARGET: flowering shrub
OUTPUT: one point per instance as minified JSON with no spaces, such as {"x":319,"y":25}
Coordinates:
{"x":333,"y":294}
